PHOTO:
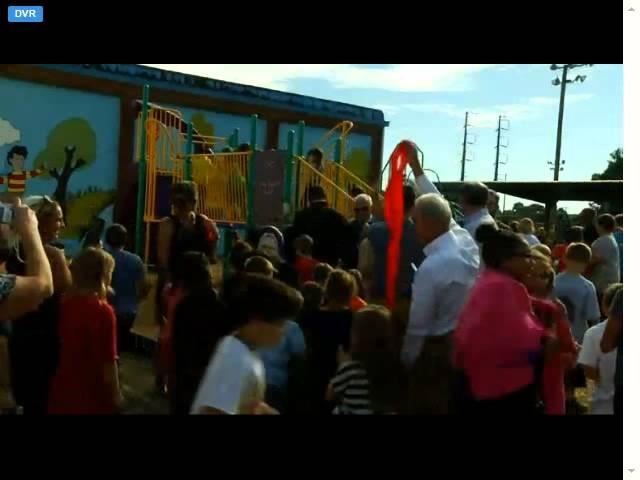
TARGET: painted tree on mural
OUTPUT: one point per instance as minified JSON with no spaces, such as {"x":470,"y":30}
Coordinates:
{"x":71,"y":145}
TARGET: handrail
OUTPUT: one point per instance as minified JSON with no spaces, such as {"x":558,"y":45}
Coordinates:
{"x":337,"y":198}
{"x":345,"y":128}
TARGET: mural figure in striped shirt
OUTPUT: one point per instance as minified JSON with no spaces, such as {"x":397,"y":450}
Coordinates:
{"x":16,"y":180}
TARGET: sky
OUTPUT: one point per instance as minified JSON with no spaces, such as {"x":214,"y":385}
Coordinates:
{"x":427,"y":104}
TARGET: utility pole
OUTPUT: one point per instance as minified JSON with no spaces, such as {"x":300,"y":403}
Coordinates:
{"x":563,"y":90}
{"x":499,"y":145}
{"x":464,"y":145}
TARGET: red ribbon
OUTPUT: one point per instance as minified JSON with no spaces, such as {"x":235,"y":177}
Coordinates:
{"x":394,"y":217}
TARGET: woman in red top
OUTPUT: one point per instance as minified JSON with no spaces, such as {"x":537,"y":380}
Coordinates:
{"x":553,"y":316}
{"x":86,"y":382}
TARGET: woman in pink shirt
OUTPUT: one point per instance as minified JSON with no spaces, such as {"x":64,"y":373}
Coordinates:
{"x":498,"y":340}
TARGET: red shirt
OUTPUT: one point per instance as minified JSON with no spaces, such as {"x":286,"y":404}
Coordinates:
{"x":357,"y":304}
{"x":555,"y":368}
{"x":305,"y":267}
{"x":559,"y":251}
{"x":87,"y":331}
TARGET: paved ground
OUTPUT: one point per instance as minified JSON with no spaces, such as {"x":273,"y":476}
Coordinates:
{"x":138,"y":387}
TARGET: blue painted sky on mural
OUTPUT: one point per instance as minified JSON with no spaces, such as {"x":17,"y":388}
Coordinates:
{"x":427,"y":103}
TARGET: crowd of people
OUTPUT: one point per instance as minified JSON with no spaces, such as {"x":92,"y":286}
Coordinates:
{"x":488,"y":318}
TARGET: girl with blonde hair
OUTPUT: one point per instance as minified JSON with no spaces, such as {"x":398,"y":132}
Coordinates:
{"x":86,"y":382}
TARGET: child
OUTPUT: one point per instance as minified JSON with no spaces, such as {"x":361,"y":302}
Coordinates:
{"x":238,"y":255}
{"x":304,"y":263}
{"x":326,"y":330}
{"x":369,"y":379}
{"x":357,"y":302}
{"x":600,"y":367}
{"x":234,"y":382}
{"x":526,"y":230}
{"x":313,"y":295}
{"x":542,"y":249}
{"x":277,"y":360}
{"x":129,"y":283}
{"x":576,"y":292}
{"x":260,"y":266}
{"x":86,"y":382}
{"x":553,"y":315}
{"x":574,"y":235}
{"x":321,"y":273}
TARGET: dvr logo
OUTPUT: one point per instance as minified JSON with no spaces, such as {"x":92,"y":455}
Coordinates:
{"x":23,"y":14}
{"x":26,"y":13}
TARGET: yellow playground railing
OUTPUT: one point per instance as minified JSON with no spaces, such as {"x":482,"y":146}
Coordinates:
{"x":337,"y":198}
{"x":346,"y":180}
{"x":222,"y":185}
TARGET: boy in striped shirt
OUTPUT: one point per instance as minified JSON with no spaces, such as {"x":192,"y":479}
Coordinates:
{"x":16,"y":181}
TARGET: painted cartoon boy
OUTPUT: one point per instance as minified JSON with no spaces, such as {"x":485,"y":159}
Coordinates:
{"x":16,"y":181}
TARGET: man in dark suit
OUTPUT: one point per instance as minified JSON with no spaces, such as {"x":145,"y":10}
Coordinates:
{"x":328,"y":229}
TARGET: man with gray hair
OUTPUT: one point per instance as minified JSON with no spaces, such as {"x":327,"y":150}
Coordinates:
{"x":358,"y":228}
{"x":439,"y":291}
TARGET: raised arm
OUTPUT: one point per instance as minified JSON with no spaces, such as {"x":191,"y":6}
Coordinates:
{"x":37,"y":285}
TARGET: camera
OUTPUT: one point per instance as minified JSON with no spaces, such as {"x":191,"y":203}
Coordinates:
{"x":6,"y":213}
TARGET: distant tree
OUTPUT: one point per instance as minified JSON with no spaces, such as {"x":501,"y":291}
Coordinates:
{"x":71,"y":145}
{"x":614,"y":168}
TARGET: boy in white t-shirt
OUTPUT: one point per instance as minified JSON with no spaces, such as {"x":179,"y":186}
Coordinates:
{"x":234,"y":382}
{"x":600,"y":367}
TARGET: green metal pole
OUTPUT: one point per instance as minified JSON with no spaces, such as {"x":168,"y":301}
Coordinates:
{"x":188,"y":160}
{"x":301,"y":138}
{"x":252,"y":171}
{"x":288,"y":173}
{"x":142,"y":173}
{"x":337,"y":156}
{"x":235,"y":136}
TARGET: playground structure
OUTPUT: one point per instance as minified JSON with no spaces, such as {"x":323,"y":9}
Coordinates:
{"x":169,"y":150}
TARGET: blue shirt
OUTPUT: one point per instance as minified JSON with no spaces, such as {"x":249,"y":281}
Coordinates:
{"x":276,"y":360}
{"x":584,"y":300}
{"x":410,"y":253}
{"x":128,"y":273}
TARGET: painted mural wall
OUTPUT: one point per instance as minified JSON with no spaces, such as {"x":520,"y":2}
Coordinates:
{"x":62,"y":143}
{"x":358,"y":147}
{"x":216,"y":124}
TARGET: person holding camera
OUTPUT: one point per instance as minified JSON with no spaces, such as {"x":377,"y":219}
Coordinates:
{"x":23,"y":294}
{"x":34,"y":342}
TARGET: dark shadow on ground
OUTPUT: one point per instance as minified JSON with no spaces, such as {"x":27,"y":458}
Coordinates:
{"x":137,"y":380}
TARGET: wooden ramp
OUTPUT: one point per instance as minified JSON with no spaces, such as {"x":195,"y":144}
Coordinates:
{"x":145,"y":325}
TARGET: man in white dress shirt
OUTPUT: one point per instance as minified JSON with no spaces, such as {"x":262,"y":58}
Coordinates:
{"x":474,"y":201}
{"x":440,"y":289}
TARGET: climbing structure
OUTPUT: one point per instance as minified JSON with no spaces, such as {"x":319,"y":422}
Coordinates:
{"x":170,"y":149}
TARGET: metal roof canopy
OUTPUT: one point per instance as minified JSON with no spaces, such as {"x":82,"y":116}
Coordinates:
{"x":551,"y":192}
